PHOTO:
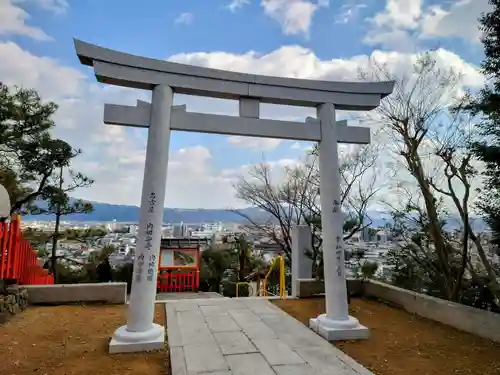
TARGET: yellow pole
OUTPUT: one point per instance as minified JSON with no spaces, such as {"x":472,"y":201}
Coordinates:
{"x":279,"y":261}
{"x":282,"y":277}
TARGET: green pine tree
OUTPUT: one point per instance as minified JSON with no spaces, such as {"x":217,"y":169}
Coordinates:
{"x":487,"y":104}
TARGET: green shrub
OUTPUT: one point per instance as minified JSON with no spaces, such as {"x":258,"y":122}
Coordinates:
{"x":70,"y":275}
{"x":368,"y":269}
{"x":124,"y":274}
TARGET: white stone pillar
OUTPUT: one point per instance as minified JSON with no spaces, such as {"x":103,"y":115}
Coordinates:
{"x":4,"y":203}
{"x":141,"y":333}
{"x":301,"y":263}
{"x":336,"y":324}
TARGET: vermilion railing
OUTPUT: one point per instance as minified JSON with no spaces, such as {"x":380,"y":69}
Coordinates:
{"x":18,"y":260}
{"x":174,"y":277}
{"x":178,"y":279}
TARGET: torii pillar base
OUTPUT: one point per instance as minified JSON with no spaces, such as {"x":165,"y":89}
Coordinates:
{"x":338,"y":330}
{"x":124,"y":341}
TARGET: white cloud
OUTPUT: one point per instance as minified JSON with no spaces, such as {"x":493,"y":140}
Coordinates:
{"x":13,"y":22}
{"x":13,"y":18}
{"x":397,"y":39}
{"x":404,"y":23}
{"x":277,"y":168}
{"x":300,"y":62}
{"x":253,"y":143}
{"x":234,"y":5}
{"x":395,"y":25}
{"x":459,"y":20}
{"x":400,"y":13}
{"x":54,"y":6}
{"x":307,"y":147}
{"x":294,"y":16}
{"x":185,"y":18}
{"x":22,"y":68}
{"x":193,"y":182}
{"x":348,"y":12}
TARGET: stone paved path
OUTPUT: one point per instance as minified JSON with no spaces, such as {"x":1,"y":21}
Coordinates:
{"x":247,"y":336}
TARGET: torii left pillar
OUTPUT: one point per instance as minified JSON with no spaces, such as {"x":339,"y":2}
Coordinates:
{"x":140,"y":333}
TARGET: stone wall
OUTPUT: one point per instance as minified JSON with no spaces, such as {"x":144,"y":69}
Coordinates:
{"x":12,"y":301}
{"x":311,"y":287}
{"x":60,"y":294}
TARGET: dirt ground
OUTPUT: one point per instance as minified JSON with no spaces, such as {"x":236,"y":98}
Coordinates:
{"x":403,"y":344}
{"x":73,"y":340}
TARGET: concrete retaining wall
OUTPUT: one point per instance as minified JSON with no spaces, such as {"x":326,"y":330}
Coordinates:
{"x":312,"y":287}
{"x":309,"y":287}
{"x":113,"y":293}
{"x":478,"y":322}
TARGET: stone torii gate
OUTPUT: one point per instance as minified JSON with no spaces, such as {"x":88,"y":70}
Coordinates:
{"x":164,"y":79}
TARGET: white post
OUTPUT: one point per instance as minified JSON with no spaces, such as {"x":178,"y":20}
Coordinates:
{"x":4,"y":203}
{"x":141,"y":333}
{"x":301,"y":263}
{"x":336,"y":324}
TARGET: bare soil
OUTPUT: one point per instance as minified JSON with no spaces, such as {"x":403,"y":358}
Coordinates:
{"x":73,"y":340}
{"x":404,"y":344}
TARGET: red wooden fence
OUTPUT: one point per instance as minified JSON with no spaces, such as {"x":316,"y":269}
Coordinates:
{"x":182,"y":279}
{"x":177,"y":277}
{"x":18,"y":260}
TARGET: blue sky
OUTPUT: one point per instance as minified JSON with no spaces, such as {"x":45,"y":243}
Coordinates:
{"x":313,"y":39}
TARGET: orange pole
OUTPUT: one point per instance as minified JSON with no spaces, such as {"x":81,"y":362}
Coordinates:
{"x":4,"y":233}
{"x":13,"y":253}
{"x":26,"y":264}
{"x":198,"y":265}
{"x":8,"y":251}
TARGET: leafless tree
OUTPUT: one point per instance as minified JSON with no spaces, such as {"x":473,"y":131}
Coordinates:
{"x":430,"y":132}
{"x":294,"y":199}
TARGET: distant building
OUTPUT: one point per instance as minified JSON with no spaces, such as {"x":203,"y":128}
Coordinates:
{"x":111,"y":227}
{"x":180,"y":230}
{"x":382,"y":236}
{"x":367,"y":235}
{"x":213,"y":227}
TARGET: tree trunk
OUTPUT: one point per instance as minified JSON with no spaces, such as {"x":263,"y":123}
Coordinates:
{"x":242,"y":265}
{"x":414,"y":164}
{"x":217,"y":284}
{"x":55,"y":237}
{"x":463,"y":264}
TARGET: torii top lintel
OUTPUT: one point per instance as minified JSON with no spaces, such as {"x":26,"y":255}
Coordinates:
{"x":123,"y":69}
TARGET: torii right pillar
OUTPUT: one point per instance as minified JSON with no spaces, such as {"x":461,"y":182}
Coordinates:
{"x":335,"y":324}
